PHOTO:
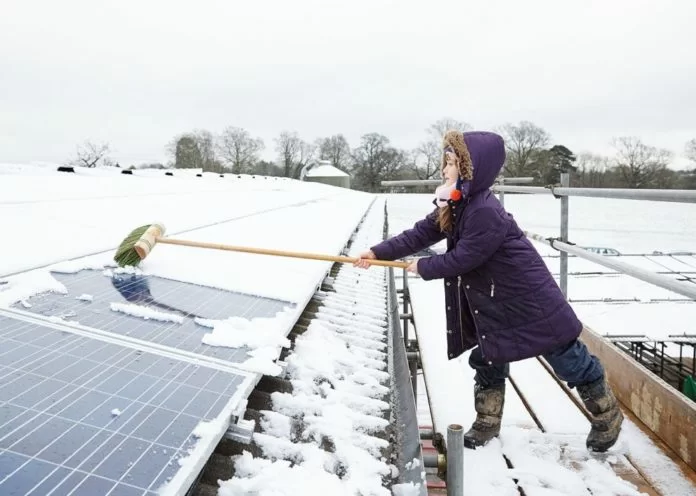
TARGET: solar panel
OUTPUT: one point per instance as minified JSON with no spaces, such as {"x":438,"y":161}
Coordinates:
{"x":180,"y":300}
{"x":82,"y":416}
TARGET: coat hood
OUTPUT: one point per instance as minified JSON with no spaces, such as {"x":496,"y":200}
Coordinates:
{"x":481,"y":157}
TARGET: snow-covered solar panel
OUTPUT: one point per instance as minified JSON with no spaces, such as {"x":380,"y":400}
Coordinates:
{"x":109,"y":302}
{"x":84,"y":416}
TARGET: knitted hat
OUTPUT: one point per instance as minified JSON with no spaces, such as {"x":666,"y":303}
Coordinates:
{"x":454,"y":141}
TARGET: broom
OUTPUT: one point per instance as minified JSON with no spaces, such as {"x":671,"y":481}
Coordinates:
{"x":140,"y":242}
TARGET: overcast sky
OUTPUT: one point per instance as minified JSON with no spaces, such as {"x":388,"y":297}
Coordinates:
{"x":137,"y":73}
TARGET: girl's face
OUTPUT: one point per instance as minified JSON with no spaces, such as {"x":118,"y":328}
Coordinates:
{"x":451,"y":170}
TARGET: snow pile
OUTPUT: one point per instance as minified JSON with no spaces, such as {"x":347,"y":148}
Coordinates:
{"x":146,"y":313}
{"x":23,"y":286}
{"x":406,"y":489}
{"x":262,"y":335}
{"x":259,"y":332}
{"x":329,"y":435}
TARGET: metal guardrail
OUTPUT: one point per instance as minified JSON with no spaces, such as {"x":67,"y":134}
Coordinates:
{"x":660,"y":195}
{"x":563,"y":192}
{"x":437,"y":182}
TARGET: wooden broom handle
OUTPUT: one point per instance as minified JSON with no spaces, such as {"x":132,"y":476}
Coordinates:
{"x":279,"y":253}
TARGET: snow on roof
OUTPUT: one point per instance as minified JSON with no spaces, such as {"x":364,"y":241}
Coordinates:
{"x":74,"y":222}
{"x":326,"y":171}
{"x":338,"y":370}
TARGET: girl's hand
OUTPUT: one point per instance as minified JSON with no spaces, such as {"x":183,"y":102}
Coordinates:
{"x":413,"y":267}
{"x":364,"y":261}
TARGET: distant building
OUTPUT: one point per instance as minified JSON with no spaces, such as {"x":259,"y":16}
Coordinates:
{"x":323,"y":172}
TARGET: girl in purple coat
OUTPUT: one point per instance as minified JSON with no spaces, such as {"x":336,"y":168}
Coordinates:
{"x":501,"y":300}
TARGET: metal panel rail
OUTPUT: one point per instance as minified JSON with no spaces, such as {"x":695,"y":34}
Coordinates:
{"x":681,"y":288}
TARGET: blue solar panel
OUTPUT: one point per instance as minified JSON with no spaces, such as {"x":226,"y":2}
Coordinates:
{"x":82,"y":416}
{"x":172,"y":297}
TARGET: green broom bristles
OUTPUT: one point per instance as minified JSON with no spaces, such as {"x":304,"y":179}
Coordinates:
{"x":126,"y":254}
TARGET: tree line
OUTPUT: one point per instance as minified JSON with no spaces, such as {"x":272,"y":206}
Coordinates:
{"x":529,"y":148}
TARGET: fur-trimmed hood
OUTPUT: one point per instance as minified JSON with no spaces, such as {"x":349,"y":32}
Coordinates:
{"x":481,"y":157}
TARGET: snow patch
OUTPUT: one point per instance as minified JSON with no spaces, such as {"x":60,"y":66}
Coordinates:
{"x":338,"y":398}
{"x":406,"y":489}
{"x":238,"y":332}
{"x":146,"y":313}
{"x":21,"y":287}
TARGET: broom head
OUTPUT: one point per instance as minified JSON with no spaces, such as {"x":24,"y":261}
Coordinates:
{"x":138,"y":244}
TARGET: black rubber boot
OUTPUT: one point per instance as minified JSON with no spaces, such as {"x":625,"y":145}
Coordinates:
{"x":489,"y":404}
{"x":607,"y":416}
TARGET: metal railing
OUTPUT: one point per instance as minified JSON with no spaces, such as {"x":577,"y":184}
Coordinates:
{"x":660,"y":195}
{"x":562,"y":244}
{"x":653,"y":355}
{"x":437,"y":182}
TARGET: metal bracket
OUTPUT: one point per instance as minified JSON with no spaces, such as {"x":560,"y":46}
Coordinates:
{"x":283,"y":367}
{"x":242,"y":430}
{"x":551,"y":187}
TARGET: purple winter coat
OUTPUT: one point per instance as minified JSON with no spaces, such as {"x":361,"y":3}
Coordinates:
{"x":499,"y":294}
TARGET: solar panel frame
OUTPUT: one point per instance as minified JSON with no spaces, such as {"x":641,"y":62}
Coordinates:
{"x":48,"y":351}
{"x":215,"y":304}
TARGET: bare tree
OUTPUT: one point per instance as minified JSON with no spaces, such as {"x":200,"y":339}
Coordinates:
{"x":305,"y":157}
{"x":206,"y":146}
{"x":640,"y":165}
{"x":293,"y":153}
{"x":690,"y":150}
{"x":523,"y":142}
{"x":427,"y":160}
{"x":438,"y":129}
{"x":592,"y":171}
{"x":375,"y":160}
{"x":336,"y":150}
{"x":90,"y":155}
{"x":288,"y":146}
{"x":238,"y":149}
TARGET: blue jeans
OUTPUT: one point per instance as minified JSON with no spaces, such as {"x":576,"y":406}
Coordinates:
{"x":572,"y":363}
